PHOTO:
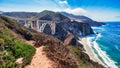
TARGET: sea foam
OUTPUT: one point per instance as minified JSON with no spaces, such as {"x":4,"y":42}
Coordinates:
{"x":91,"y":41}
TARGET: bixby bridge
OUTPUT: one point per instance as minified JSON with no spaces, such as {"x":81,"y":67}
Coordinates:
{"x":36,"y":24}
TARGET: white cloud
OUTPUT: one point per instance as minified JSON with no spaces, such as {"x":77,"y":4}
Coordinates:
{"x":63,"y":2}
{"x":76,"y":11}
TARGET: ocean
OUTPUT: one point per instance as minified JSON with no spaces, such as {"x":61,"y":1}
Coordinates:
{"x":106,"y":44}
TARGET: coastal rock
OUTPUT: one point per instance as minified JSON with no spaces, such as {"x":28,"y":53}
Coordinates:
{"x":64,"y":30}
{"x":77,"y":28}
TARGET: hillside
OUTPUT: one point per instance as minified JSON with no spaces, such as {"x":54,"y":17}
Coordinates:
{"x":83,"y":19}
{"x":12,"y":46}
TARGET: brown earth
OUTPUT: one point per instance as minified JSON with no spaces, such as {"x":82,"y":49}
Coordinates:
{"x":40,"y":60}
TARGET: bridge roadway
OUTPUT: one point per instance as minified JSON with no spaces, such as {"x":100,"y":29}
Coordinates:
{"x":33,"y":20}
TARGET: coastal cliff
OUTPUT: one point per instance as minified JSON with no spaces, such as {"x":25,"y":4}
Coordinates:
{"x":56,"y":48}
{"x":64,"y":27}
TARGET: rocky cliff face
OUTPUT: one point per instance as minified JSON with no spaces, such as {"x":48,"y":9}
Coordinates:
{"x":63,"y":30}
{"x":64,"y":26}
{"x":77,"y":28}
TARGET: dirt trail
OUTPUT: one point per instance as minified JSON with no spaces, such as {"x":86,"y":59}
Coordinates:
{"x":40,"y":60}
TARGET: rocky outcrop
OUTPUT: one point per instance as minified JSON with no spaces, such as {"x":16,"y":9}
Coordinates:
{"x":63,"y":30}
{"x":68,"y":32}
{"x":77,"y":28}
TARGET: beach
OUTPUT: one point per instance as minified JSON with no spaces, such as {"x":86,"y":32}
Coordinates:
{"x":89,"y":50}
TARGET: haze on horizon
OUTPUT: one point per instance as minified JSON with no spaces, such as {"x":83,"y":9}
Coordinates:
{"x":99,"y":10}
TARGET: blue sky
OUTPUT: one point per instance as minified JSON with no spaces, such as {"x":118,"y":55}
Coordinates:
{"x":99,"y":10}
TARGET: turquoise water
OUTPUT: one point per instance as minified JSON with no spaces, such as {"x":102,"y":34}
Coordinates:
{"x":109,"y":42}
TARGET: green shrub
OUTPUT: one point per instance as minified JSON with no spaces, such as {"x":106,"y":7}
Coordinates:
{"x":23,"y":50}
{"x":79,"y":55}
{"x":14,"y":48}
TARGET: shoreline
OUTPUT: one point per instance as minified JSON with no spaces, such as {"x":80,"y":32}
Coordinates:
{"x":89,"y":51}
{"x":88,"y":44}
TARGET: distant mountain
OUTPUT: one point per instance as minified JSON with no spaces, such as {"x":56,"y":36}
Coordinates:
{"x":51,"y":16}
{"x":82,"y":19}
{"x":20,"y":14}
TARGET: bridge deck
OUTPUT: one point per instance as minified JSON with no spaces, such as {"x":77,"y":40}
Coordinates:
{"x":33,"y":19}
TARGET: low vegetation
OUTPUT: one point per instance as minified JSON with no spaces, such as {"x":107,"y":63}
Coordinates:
{"x":12,"y":48}
{"x":82,"y":60}
{"x":56,"y":51}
